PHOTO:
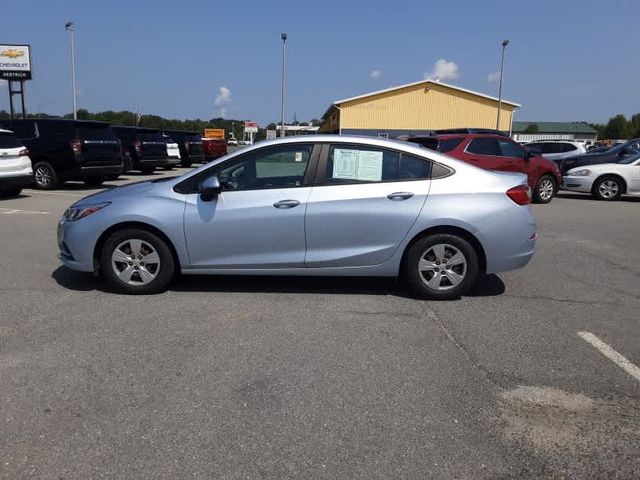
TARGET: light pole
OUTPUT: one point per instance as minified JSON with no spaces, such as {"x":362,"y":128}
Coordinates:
{"x":283,"y":37}
{"x":504,"y":46}
{"x":69,"y":27}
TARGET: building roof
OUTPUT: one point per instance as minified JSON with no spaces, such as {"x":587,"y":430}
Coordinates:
{"x":555,"y":127}
{"x":425,"y":82}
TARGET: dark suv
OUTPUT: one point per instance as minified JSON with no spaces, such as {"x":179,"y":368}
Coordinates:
{"x":63,"y":149}
{"x":190,"y":144}
{"x":498,"y":152}
{"x":143,"y":149}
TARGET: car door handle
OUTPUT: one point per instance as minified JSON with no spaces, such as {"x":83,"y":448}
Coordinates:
{"x":397,"y":196}
{"x":286,"y":204}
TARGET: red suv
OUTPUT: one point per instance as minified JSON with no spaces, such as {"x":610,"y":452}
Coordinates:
{"x":497,"y":152}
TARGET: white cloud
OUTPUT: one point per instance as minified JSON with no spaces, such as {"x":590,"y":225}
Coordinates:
{"x":223,"y":97}
{"x":375,"y":74}
{"x":493,"y":77}
{"x":443,"y":70}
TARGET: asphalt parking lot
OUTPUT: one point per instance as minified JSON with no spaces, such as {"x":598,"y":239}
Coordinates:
{"x":321,"y":377}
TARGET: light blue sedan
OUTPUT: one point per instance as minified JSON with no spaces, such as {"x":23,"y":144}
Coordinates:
{"x":311,"y":205}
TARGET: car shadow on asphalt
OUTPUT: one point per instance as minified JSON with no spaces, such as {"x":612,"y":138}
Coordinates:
{"x":487,"y":286}
{"x":587,"y":196}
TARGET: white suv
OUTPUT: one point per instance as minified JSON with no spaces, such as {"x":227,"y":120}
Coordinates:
{"x":15,"y":165}
{"x":558,"y":149}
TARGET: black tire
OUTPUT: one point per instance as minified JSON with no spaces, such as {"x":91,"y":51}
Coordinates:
{"x":111,"y":178}
{"x":10,"y":192}
{"x":163,"y":274}
{"x":608,"y":188}
{"x":168,"y":167}
{"x":45,"y":177}
{"x":545,"y":190}
{"x":185,"y":164}
{"x":443,"y":275}
{"x":147,"y":170}
{"x":93,"y":181}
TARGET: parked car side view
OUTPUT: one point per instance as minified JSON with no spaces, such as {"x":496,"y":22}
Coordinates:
{"x":497,"y":152}
{"x":557,"y":149}
{"x":620,"y":151}
{"x":144,"y":149}
{"x":62,"y":149}
{"x":190,"y":144}
{"x":15,"y":165}
{"x":606,"y":181}
{"x":328,"y":205}
{"x":213,"y":149}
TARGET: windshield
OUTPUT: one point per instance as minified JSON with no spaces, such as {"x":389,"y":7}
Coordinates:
{"x":629,"y":160}
{"x":151,"y":137}
{"x":9,"y":140}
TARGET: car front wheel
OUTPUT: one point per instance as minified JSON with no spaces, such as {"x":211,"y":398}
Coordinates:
{"x":440,"y":267}
{"x":44,"y":176}
{"x":137,"y":262}
{"x":545,"y":189}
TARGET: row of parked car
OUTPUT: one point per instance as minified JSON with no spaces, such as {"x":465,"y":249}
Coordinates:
{"x":549,"y":164}
{"x":57,"y":150}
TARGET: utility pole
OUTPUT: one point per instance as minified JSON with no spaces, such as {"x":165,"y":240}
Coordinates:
{"x":504,"y":46}
{"x":283,"y":37}
{"x":69,"y":27}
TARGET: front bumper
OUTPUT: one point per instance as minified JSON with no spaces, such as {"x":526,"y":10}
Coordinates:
{"x":577,"y":184}
{"x":76,"y":242}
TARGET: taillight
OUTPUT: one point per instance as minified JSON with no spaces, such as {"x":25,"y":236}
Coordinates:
{"x":520,"y":194}
{"x":76,"y":146}
{"x":23,"y":153}
{"x":138,"y":146}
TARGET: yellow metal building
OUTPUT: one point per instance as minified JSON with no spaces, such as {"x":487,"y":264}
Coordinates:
{"x":416,"y":108}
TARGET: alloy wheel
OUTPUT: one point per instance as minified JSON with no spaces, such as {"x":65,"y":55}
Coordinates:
{"x":135,"y":262}
{"x":43,"y":176}
{"x":545,"y":190}
{"x":608,"y":189}
{"x":442,"y":267}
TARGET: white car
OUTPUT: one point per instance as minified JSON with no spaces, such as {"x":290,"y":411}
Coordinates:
{"x":173,"y":152}
{"x":558,"y":149}
{"x":607,"y":181}
{"x":15,"y":165}
{"x":232,"y":142}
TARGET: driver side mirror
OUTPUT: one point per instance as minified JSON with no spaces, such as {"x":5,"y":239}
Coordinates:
{"x":210,"y":188}
{"x":530,"y":153}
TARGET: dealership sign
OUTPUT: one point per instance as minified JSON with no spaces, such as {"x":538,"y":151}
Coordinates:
{"x":251,"y":127}
{"x":15,"y":62}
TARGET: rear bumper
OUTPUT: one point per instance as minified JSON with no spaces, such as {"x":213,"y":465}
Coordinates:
{"x":84,"y":171}
{"x":153,"y":162}
{"x":196,"y":157}
{"x":19,"y":181}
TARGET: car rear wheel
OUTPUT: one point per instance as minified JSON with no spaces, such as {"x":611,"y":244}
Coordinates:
{"x":168,"y":167}
{"x":185,"y":164}
{"x":440,"y":267}
{"x":10,"y":192}
{"x":44,"y":176}
{"x":93,"y":181}
{"x":608,"y":188}
{"x":545,"y":189}
{"x":147,"y":170}
{"x":137,"y":262}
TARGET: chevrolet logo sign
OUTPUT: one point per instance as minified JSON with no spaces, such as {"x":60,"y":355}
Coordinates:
{"x":11,"y":53}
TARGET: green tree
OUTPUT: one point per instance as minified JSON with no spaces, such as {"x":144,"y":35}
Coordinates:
{"x":617,"y":127}
{"x":532,"y":128}
{"x":635,"y":125}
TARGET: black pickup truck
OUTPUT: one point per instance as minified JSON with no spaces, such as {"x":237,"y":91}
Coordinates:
{"x":143,"y":149}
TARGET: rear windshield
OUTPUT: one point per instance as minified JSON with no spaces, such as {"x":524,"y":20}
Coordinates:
{"x":9,"y":140}
{"x":195,"y":139}
{"x":448,"y":144}
{"x":151,"y":137}
{"x":95,"y":133}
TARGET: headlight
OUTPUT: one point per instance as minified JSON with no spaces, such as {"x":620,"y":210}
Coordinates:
{"x":580,"y":173}
{"x":76,"y":213}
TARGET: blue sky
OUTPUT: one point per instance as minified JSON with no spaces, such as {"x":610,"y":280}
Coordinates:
{"x":567,"y":60}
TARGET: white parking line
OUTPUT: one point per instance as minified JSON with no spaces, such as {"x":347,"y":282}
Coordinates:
{"x":611,"y":354}
{"x":14,"y":211}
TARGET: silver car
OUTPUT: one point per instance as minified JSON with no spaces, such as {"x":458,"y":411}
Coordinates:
{"x":312,"y":205}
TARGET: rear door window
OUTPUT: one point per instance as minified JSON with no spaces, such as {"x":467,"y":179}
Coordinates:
{"x":484,"y":146}
{"x":414,"y":167}
{"x":9,"y":140}
{"x":361,"y":164}
{"x":510,"y":149}
{"x":95,"y":133}
{"x":569,"y":147}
